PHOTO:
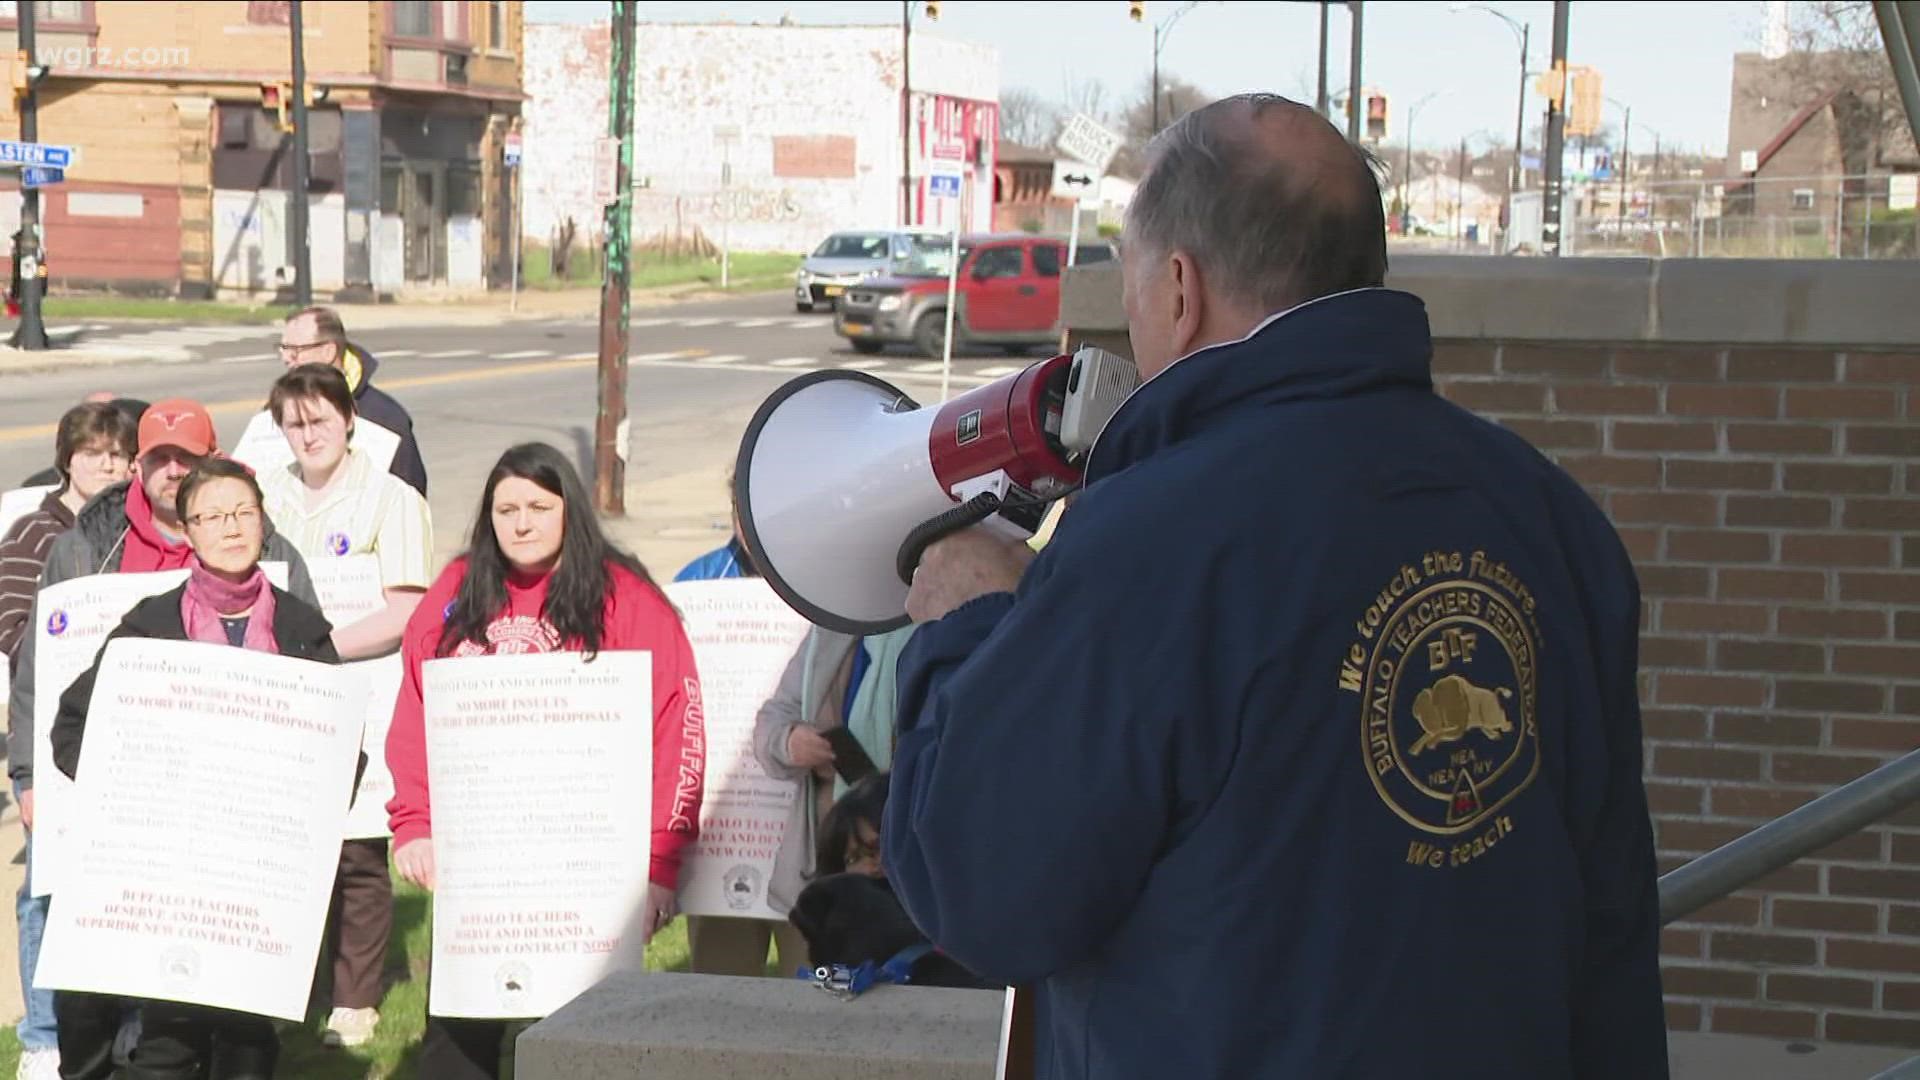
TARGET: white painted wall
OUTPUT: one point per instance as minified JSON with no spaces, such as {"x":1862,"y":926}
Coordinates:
{"x":768,"y":81}
{"x":250,"y":240}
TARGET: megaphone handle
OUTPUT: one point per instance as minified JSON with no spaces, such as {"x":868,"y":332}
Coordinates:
{"x":972,"y":512}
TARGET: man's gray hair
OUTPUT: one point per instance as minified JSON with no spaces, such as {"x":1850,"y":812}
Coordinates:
{"x":1266,"y":230}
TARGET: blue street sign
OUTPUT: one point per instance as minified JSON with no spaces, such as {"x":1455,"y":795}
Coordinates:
{"x":944,"y":185}
{"x":34,"y":176}
{"x":26,"y":153}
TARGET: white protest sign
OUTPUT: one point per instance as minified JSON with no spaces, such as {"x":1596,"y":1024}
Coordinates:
{"x":349,"y":590}
{"x":205,"y":828}
{"x":263,"y":448}
{"x":73,"y":620}
{"x":541,"y":768}
{"x":20,"y":502}
{"x":743,"y":635}
{"x":1903,"y":191}
{"x":1085,"y":140}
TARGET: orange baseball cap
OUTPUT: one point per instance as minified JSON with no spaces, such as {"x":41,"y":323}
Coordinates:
{"x":178,"y":422}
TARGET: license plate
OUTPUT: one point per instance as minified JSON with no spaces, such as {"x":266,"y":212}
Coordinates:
{"x":855,"y":327}
{"x":834,"y":290}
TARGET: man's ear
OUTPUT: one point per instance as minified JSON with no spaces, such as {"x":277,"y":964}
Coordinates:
{"x":1189,"y":304}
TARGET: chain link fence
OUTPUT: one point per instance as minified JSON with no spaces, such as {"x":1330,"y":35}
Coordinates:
{"x":1789,"y":217}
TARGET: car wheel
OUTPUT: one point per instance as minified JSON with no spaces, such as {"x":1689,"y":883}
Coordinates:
{"x":930,"y":334}
{"x":865,"y":347}
{"x":804,"y":309}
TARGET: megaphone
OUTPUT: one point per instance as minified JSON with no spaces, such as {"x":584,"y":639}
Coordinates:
{"x":842,"y":479}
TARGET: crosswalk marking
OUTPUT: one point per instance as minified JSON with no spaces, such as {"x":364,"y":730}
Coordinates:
{"x":701,"y":322}
{"x":676,"y":354}
{"x":648,"y":322}
{"x":450,"y":354}
{"x":863,"y":365}
{"x":935,"y":366}
{"x":245,"y":360}
{"x":793,"y":361}
{"x":725,"y":358}
{"x":524,"y":354}
{"x":994,"y":371}
{"x":755,"y":324}
{"x":389,"y":353}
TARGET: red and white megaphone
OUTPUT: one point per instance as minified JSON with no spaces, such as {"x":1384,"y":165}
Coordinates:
{"x":843,"y":480}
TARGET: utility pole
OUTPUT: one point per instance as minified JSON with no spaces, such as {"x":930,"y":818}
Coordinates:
{"x":1353,"y":74}
{"x":1460,"y":199}
{"x":1626,"y":151}
{"x":297,"y":198}
{"x":1516,"y":178}
{"x":610,"y":427}
{"x":906,"y":113}
{"x":32,"y":331}
{"x":1556,"y":138}
{"x":1320,"y":98}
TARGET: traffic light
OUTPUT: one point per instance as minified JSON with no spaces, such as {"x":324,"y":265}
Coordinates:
{"x":277,"y":98}
{"x":1377,"y":117}
{"x":26,"y":75}
{"x":933,"y":10}
{"x":1586,"y":102}
{"x":1136,"y":10}
{"x":1552,"y":85}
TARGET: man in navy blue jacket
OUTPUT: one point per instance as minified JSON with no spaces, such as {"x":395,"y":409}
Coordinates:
{"x":1309,"y":746}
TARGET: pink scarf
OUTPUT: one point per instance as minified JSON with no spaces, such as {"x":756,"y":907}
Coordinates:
{"x":210,"y":596}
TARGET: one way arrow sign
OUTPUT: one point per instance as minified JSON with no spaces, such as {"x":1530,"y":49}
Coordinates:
{"x":1075,"y":182}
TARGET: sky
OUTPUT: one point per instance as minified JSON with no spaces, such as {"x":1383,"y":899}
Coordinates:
{"x":1671,"y":62}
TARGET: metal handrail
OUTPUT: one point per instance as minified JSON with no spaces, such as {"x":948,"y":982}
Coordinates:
{"x":1837,"y":814}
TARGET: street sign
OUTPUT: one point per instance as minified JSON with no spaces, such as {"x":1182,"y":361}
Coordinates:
{"x":34,"y":176}
{"x":1074,"y":180}
{"x":26,"y":153}
{"x":606,"y":171}
{"x":944,"y":185}
{"x":513,"y":149}
{"x":1084,"y":139}
{"x":1903,"y":191}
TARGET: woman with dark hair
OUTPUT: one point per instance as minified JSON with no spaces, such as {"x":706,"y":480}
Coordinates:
{"x":226,"y":600}
{"x":540,"y":576}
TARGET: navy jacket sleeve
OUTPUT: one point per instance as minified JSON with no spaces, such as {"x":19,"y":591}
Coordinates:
{"x":1028,"y":794}
{"x":1619,"y":1024}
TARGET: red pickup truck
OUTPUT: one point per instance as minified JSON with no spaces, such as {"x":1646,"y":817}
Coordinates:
{"x":1008,"y":294}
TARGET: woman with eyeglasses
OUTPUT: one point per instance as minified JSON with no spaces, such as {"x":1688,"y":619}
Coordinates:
{"x":540,"y":576}
{"x":334,"y":502}
{"x":226,"y":600}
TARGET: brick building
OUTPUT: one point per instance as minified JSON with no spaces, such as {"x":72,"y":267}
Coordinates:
{"x":182,"y":179}
{"x":775,"y":134}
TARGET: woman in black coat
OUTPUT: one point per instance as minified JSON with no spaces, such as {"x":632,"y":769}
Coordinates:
{"x":226,"y":600}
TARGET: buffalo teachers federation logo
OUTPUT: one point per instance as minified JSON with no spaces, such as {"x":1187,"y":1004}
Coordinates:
{"x":57,"y":623}
{"x":338,"y":543}
{"x":741,"y":886}
{"x":512,"y":983}
{"x":1446,"y":666}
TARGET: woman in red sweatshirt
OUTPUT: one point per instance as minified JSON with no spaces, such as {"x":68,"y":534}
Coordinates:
{"x":540,"y":576}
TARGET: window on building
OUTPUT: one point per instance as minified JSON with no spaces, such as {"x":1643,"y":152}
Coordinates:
{"x":496,"y":24}
{"x":1803,"y":198}
{"x":413,"y":18}
{"x":997,"y":262}
{"x":463,"y":192}
{"x":48,"y":11}
{"x":270,"y":12}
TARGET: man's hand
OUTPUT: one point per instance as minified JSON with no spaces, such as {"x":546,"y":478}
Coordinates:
{"x":807,"y":748}
{"x":964,"y":566}
{"x":414,"y":860}
{"x":26,"y":809}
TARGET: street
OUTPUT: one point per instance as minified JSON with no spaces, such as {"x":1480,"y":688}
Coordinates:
{"x":698,"y":373}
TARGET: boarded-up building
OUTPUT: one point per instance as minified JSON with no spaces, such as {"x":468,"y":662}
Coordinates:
{"x":771,"y":135}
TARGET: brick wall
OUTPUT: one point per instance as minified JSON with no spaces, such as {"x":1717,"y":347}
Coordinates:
{"x":1768,"y":496}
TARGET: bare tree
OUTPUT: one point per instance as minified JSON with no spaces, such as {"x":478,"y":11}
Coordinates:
{"x":1028,"y":119}
{"x":1178,"y":97}
{"x":1084,"y":95}
{"x":1836,"y":52}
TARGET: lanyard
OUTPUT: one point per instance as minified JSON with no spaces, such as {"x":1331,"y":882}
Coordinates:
{"x":847,"y":983}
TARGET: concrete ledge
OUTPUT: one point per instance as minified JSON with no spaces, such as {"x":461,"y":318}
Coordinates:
{"x":637,"y":1026}
{"x":1814,"y":303}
